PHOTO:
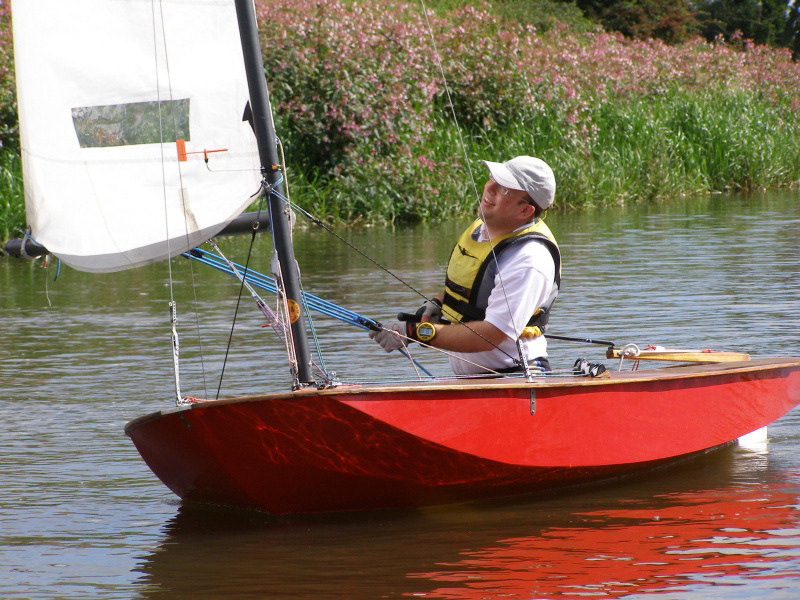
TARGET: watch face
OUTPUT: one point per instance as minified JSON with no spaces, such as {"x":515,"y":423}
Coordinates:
{"x":425,"y":331}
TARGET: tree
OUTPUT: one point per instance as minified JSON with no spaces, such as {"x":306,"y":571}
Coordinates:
{"x":791,"y":33}
{"x":763,"y":21}
{"x":667,"y":20}
{"x":769,"y":22}
{"x":544,"y":14}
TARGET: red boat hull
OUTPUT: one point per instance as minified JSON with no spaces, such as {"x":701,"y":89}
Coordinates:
{"x":356,"y":448}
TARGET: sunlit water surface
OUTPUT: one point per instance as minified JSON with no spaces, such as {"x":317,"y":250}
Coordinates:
{"x":82,"y":516}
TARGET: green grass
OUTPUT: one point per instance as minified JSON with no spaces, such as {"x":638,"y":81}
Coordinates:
{"x":641,"y":150}
{"x":12,"y":210}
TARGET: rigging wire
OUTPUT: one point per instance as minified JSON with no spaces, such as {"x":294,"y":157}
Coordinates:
{"x":449,"y":99}
{"x":309,"y":319}
{"x":320,"y":223}
{"x":317,"y":221}
{"x":183,"y":199}
{"x":462,"y":144}
{"x":522,"y":358}
{"x":172,"y":304}
{"x":238,"y":303}
{"x":252,"y":278}
{"x":256,"y":279}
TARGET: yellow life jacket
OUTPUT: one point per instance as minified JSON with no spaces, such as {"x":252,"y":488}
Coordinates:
{"x":472,"y":269}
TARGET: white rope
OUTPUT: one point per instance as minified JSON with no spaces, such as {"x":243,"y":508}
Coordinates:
{"x":283,"y":316}
{"x":522,"y":356}
{"x":275,"y":320}
{"x":172,"y":304}
{"x":449,"y":354}
{"x":449,"y":100}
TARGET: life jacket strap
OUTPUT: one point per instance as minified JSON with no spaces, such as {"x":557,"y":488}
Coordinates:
{"x":535,"y":327}
{"x":457,"y":289}
{"x":467,"y":311}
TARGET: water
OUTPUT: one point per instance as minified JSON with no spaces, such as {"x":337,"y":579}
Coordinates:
{"x":82,"y":516}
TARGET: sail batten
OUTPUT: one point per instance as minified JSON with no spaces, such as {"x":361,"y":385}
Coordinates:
{"x":105,"y":90}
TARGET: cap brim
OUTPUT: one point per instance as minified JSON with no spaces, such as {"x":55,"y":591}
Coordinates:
{"x":502,"y":175}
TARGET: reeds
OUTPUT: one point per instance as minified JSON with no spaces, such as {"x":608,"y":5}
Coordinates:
{"x":369,"y":121}
{"x":12,"y":211}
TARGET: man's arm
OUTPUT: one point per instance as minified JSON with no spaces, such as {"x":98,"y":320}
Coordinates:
{"x":475,"y":336}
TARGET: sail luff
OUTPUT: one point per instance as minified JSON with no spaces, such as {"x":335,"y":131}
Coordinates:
{"x":270,"y":167}
{"x":92,"y":84}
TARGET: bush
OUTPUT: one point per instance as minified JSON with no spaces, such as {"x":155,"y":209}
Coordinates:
{"x":368,"y":116}
{"x":12,"y":212}
{"x":9,"y":133}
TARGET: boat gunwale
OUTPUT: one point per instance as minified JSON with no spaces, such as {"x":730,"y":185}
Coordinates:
{"x":670,"y":373}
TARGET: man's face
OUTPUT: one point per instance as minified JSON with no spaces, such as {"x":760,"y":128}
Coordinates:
{"x":500,"y":204}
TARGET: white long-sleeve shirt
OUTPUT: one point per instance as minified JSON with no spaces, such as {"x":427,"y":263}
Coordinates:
{"x":524,"y":281}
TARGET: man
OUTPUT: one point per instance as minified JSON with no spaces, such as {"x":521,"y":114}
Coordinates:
{"x":502,"y":279}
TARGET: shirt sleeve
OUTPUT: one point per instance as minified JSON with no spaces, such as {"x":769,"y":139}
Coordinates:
{"x":524,"y":281}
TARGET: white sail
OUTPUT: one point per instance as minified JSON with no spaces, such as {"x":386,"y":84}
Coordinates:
{"x":106,"y":88}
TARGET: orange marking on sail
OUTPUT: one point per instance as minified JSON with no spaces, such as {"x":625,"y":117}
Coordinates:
{"x":183,"y":154}
{"x":181,"y":145}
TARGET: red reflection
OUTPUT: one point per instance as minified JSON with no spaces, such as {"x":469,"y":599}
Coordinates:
{"x":691,"y":538}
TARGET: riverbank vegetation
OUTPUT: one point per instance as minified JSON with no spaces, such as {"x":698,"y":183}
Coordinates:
{"x":374,"y":130}
{"x":385,"y":111}
{"x":12,"y":210}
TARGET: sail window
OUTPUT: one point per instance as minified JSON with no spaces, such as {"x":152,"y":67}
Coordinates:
{"x":132,"y":124}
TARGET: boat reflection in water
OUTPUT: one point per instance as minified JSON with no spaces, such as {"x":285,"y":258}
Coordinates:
{"x":727,"y":518}
{"x":701,"y":540}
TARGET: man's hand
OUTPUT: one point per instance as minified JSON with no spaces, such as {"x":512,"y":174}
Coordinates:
{"x":430,"y":312}
{"x":391,"y":337}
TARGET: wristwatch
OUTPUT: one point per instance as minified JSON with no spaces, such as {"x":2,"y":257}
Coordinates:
{"x":425,"y":332}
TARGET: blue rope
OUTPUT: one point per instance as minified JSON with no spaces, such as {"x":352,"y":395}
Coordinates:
{"x":313,"y":330}
{"x":267,"y":283}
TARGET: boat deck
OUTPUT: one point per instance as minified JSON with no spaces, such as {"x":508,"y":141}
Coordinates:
{"x":550,"y":381}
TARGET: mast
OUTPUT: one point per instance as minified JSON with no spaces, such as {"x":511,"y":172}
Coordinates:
{"x":270,"y":170}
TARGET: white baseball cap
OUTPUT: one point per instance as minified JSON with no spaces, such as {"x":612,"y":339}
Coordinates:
{"x":527,"y":173}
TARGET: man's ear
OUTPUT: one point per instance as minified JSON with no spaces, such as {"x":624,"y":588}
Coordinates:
{"x":530,"y":211}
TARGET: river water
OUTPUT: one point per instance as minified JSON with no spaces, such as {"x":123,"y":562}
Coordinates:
{"x":82,"y":516}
